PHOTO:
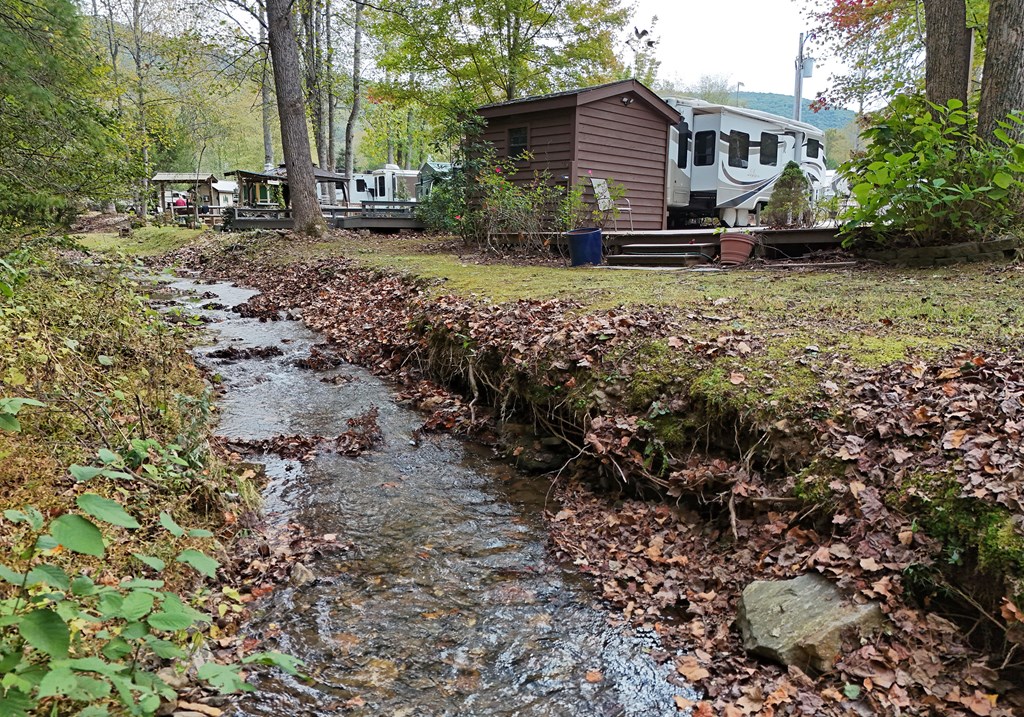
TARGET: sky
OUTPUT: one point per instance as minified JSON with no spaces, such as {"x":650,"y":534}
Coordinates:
{"x":749,"y":41}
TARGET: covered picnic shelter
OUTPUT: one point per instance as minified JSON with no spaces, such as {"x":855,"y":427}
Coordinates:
{"x":259,"y":189}
{"x":202,"y":184}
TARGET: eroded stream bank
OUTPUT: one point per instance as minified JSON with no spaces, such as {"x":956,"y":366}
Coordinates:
{"x":448,"y":602}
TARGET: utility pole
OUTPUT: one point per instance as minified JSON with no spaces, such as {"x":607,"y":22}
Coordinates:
{"x":804,"y":67}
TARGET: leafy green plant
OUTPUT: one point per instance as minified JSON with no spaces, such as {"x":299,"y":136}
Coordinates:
{"x":503,"y":204}
{"x":927,"y":178}
{"x":9,"y":409}
{"x":789,"y":204}
{"x":579,"y":209}
{"x":445,"y":207}
{"x":10,"y":278}
{"x":71,"y":643}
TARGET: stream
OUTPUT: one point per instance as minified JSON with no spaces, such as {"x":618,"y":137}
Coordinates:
{"x":448,"y":602}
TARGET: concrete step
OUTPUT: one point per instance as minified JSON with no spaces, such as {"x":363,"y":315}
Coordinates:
{"x":667,"y":248}
{"x":656,"y":259}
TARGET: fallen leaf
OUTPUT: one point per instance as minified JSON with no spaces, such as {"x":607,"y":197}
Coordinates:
{"x":736,"y":378}
{"x":688,"y":667}
{"x":594,"y":676}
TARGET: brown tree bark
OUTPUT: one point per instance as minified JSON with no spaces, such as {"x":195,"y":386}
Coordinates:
{"x":1002,"y":84}
{"x":265,"y":109}
{"x":291,"y":108}
{"x":353,"y":116}
{"x":947,"y":51}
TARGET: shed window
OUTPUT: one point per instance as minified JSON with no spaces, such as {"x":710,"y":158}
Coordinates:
{"x":518,"y":141}
{"x":769,"y":149}
{"x":684,"y":141}
{"x":704,"y":148}
{"x":813,"y":148}
{"x":739,"y":149}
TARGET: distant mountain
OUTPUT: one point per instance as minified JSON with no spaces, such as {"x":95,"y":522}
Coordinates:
{"x":783,"y":105}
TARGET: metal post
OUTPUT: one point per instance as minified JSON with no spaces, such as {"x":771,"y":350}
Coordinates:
{"x":799,"y":85}
{"x":738,"y":86}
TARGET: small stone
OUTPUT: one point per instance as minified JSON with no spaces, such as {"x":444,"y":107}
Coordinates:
{"x":166,"y":708}
{"x":172,"y":678}
{"x":800,"y":621}
{"x":301,"y":575}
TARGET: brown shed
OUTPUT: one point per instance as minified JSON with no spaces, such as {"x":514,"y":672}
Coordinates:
{"x":618,"y":131}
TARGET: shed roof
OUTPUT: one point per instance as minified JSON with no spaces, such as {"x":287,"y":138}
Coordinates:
{"x":581,"y":96}
{"x":183,"y":178}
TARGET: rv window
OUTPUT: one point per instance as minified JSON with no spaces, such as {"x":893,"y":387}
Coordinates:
{"x":360,"y":185}
{"x":704,"y":148}
{"x":684,"y":142}
{"x":813,"y":148}
{"x":739,"y":149}
{"x":517,"y":141}
{"x":769,"y":149}
{"x":381,"y":188}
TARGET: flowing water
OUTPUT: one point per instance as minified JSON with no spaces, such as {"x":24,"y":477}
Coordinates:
{"x":448,"y":603}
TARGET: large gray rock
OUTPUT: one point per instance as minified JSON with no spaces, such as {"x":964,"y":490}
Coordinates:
{"x":800,"y":621}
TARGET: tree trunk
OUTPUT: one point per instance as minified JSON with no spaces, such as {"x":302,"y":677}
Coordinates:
{"x":329,"y":98}
{"x":353,"y":116}
{"x":1002,"y":84}
{"x":947,"y":51}
{"x":291,"y":109}
{"x":268,"y":138}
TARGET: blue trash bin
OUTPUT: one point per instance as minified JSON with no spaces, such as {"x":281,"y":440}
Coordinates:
{"x":584,"y":246}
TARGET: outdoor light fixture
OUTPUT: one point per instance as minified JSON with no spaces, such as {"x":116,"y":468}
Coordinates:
{"x":627,"y":100}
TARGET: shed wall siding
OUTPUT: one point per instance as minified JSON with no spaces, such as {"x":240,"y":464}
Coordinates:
{"x":629,"y":146}
{"x":550,"y":141}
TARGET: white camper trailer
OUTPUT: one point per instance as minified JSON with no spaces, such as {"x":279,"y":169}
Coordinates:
{"x":387,"y":184}
{"x":724,"y":161}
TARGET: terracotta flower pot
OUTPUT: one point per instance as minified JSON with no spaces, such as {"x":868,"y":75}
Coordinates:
{"x":736,"y":248}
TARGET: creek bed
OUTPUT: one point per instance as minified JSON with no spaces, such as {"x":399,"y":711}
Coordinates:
{"x":448,"y":603}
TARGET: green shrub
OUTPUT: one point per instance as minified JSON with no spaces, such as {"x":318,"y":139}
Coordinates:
{"x":444,"y":208}
{"x":502,"y":204}
{"x":790,"y":201}
{"x":72,"y":644}
{"x":927,"y":178}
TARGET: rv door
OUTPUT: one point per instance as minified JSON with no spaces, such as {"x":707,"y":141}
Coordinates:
{"x":680,"y":151}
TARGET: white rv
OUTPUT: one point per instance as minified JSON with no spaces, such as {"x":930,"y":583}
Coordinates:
{"x":724,"y":161}
{"x":387,"y":184}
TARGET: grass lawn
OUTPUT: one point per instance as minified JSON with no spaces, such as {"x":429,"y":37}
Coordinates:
{"x":147,"y":241}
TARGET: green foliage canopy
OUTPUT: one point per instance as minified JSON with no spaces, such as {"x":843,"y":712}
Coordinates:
{"x":495,"y":50}
{"x":56,"y":142}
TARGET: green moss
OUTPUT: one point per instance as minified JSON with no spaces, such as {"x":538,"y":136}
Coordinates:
{"x":964,"y":524}
{"x":654,"y":369}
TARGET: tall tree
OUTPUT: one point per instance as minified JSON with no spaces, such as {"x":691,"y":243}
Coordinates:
{"x":880,"y":43}
{"x":1002,"y":89}
{"x":266,"y":109}
{"x":491,"y":50}
{"x":291,"y":108}
{"x":947,"y":51}
{"x":357,"y":72}
{"x":56,"y":141}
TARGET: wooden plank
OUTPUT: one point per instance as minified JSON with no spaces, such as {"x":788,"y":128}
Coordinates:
{"x":247,"y":224}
